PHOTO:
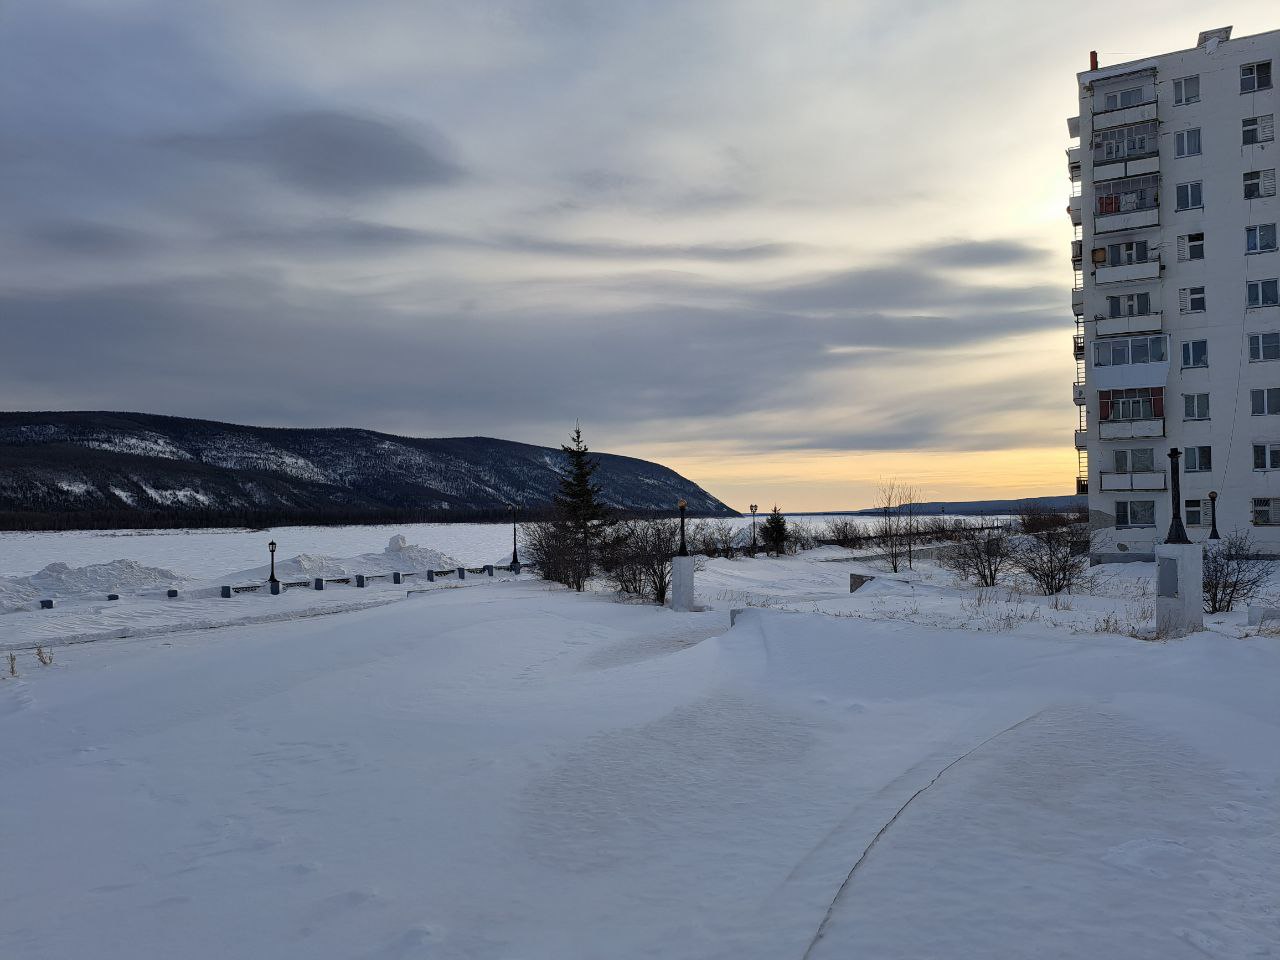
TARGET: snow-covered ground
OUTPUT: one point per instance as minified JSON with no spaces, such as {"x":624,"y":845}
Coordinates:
{"x":503,"y":769}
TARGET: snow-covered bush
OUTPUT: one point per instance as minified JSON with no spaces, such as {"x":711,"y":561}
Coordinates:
{"x":979,"y":555}
{"x":845,"y":532}
{"x":636,"y":557}
{"x":1055,"y":558}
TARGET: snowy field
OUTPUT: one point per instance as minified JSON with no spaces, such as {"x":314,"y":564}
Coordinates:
{"x":502,"y":769}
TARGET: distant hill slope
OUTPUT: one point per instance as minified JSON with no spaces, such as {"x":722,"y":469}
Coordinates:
{"x":127,"y":469}
{"x":974,"y":508}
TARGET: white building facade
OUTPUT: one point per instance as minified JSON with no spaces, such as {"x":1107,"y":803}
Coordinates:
{"x":1176,"y":297}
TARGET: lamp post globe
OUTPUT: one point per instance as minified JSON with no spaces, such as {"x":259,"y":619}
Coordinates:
{"x":271,"y":548}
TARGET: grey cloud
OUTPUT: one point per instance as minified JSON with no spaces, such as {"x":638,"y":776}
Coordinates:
{"x":983,"y":253}
{"x":86,"y":238}
{"x":331,"y":153}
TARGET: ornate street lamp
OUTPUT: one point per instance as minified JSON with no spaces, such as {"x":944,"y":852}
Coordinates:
{"x":1213,"y":515}
{"x":272,"y":547}
{"x":684,"y":549}
{"x":515,"y":559}
{"x":753,"y":529}
{"x":1177,"y":532}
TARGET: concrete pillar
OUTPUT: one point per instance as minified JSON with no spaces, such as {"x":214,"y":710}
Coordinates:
{"x":1179,"y":588}
{"x":682,"y":584}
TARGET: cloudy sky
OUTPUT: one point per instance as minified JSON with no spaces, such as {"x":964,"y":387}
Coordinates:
{"x":789,"y":249}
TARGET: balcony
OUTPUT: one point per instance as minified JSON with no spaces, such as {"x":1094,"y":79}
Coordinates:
{"x":1073,"y":163}
{"x":1077,"y":300}
{"x":1131,"y":429}
{"x":1115,"y":169}
{"x":1074,"y":211}
{"x":1077,"y":346}
{"x":1073,"y":127}
{"x":1116,"y":326}
{"x":1123,"y":116}
{"x":1078,"y":394}
{"x":1133,"y":220}
{"x":1082,"y":439}
{"x":1082,"y":486}
{"x":1077,"y":253}
{"x":1146,"y":480}
{"x":1146,"y":270}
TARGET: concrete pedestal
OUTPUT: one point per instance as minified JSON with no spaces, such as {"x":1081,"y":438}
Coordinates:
{"x":682,"y":584}
{"x":1179,"y":588}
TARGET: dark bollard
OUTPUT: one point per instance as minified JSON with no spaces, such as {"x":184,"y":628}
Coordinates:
{"x":46,"y":604}
{"x":275,"y":588}
{"x":172,"y":594}
{"x":431,"y":576}
{"x":488,"y":568}
{"x":396,"y":578}
{"x":360,"y":580}
{"x":318,"y":583}
{"x":113,"y":596}
{"x":515,"y":568}
{"x":462,"y":573}
{"x":225,"y":592}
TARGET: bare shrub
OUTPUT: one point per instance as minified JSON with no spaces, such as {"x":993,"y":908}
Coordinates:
{"x":845,"y":532}
{"x":545,"y":545}
{"x":979,"y":555}
{"x":800,"y":536}
{"x":1234,"y":572}
{"x":637,"y":557}
{"x":13,"y":664}
{"x":1055,"y":558}
{"x":713,"y":538}
{"x":44,"y":656}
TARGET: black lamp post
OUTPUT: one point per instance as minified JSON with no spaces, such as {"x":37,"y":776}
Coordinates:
{"x":272,"y":547}
{"x":1213,"y":515}
{"x":684,"y":549}
{"x":1177,"y":532}
{"x":515,"y":559}
{"x":753,"y":529}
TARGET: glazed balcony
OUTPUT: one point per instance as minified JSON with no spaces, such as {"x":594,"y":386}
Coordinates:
{"x":1131,"y":429}
{"x":1138,"y":480}
{"x":1125,"y":272}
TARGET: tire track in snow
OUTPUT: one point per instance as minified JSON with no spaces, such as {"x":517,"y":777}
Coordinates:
{"x":835,"y":901}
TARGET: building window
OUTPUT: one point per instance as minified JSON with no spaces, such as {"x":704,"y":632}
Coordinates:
{"x":1195,"y":353}
{"x":1191,"y":300}
{"x":1138,"y":460}
{"x":1133,"y":403}
{"x":1191,"y":246}
{"x":1260,"y":238}
{"x":1135,"y":513}
{"x":1129,"y":305}
{"x":1127,"y":195}
{"x":1119,"y":143}
{"x":1191,"y":195}
{"x":1264,"y":346}
{"x":1187,"y":142}
{"x":1133,"y":96}
{"x":1186,"y":90}
{"x":1195,"y":406}
{"x":1266,"y":456}
{"x":1263,"y":293}
{"x":1117,"y":351}
{"x":1264,"y":403}
{"x":1194,"y":511}
{"x":1197,"y":459}
{"x":1124,"y":254}
{"x":1255,"y":76}
{"x":1258,"y":129}
{"x":1260,"y":183}
{"x":1266,"y":511}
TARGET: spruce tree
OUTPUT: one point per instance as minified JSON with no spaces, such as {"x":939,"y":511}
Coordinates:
{"x":579,"y":510}
{"x":773,"y":532}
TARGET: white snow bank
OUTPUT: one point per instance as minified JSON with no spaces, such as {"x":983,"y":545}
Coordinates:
{"x":399,"y":555}
{"x":59,"y":580}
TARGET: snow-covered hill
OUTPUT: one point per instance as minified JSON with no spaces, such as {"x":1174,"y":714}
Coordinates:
{"x":118,"y":465}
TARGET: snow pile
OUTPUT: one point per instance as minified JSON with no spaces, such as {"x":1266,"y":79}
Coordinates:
{"x":399,"y":555}
{"x":62,"y":580}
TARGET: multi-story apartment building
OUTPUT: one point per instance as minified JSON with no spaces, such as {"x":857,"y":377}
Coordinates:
{"x":1177,"y":340}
